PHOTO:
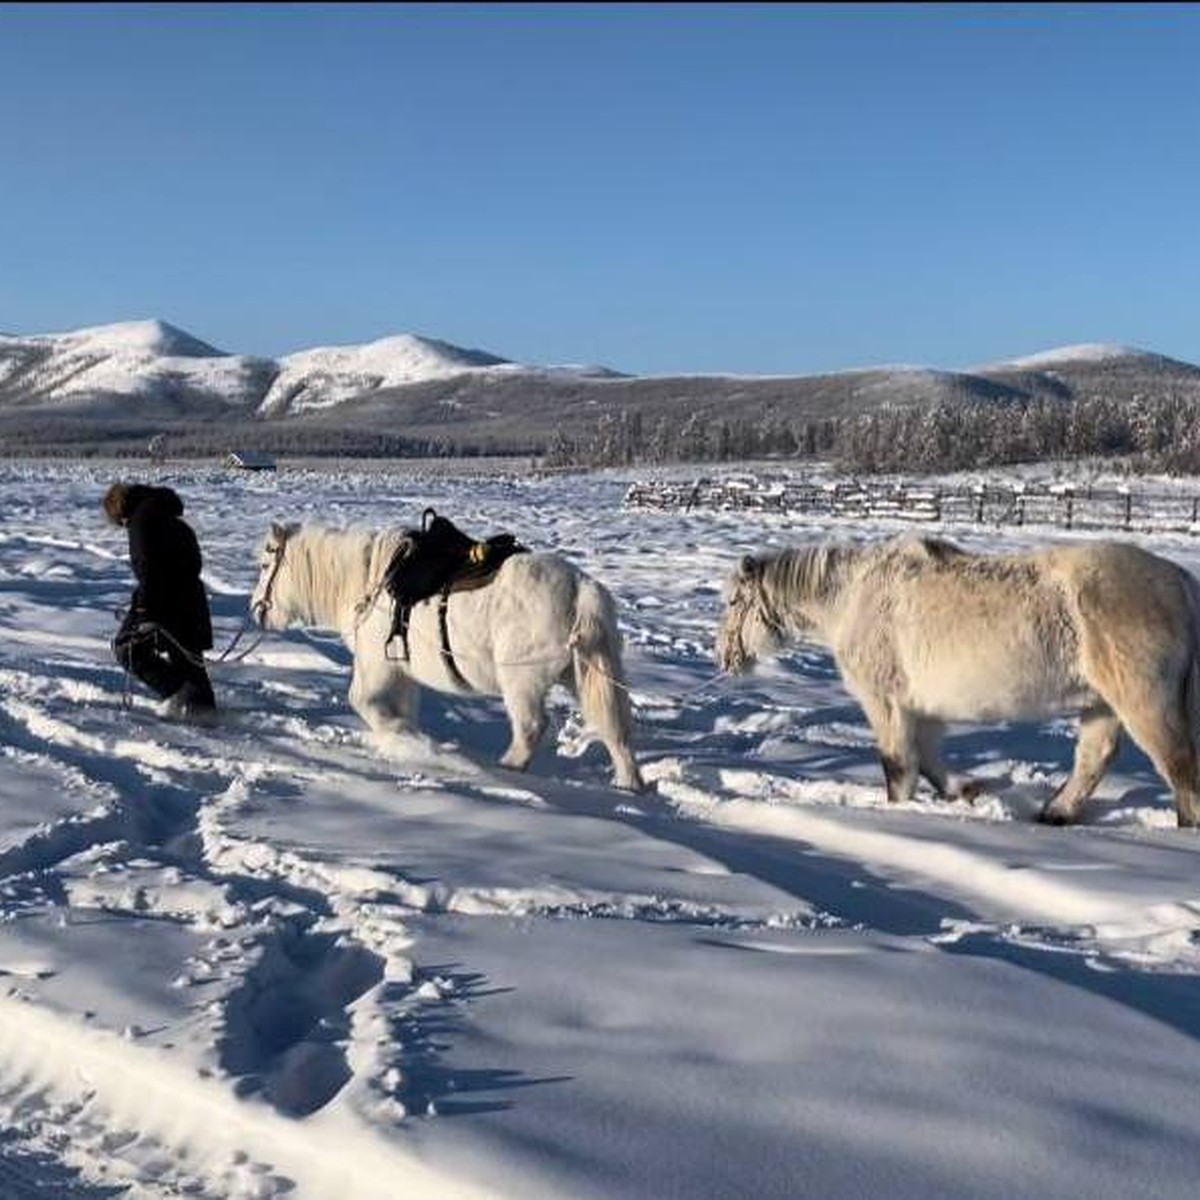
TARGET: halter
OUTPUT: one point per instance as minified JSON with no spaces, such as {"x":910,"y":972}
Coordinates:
{"x":768,"y":612}
{"x":263,"y":604}
{"x":753,"y":595}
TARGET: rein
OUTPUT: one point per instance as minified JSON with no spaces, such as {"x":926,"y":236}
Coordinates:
{"x":227,"y":655}
{"x":152,"y":630}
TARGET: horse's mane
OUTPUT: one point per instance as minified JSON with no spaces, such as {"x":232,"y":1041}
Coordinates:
{"x":816,"y":572}
{"x":335,"y":568}
{"x":805,"y":573}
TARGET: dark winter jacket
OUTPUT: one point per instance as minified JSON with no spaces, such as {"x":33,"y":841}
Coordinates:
{"x":165,"y":557}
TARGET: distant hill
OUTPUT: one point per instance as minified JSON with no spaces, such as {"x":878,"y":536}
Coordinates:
{"x":127,"y":367}
{"x":115,"y":385}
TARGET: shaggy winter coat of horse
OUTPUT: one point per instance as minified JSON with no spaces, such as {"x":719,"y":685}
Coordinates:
{"x":925,"y":633}
{"x":540,"y":622}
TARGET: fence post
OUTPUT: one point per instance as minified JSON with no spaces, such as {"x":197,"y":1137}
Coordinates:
{"x":1128,"y":509}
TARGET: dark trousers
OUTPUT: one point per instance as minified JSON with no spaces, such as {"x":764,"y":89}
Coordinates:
{"x":164,"y":666}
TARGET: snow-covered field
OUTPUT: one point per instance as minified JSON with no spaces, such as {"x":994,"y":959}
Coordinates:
{"x":275,"y":959}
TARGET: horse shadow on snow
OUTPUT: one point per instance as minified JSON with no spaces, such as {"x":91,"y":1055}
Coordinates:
{"x":847,"y":891}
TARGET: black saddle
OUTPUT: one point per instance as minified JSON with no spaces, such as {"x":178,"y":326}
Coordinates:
{"x":438,"y":559}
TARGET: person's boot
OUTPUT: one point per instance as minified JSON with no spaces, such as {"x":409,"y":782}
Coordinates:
{"x":189,"y":703}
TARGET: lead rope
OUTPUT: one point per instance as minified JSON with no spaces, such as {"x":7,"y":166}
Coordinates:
{"x":550,"y":659}
{"x":225,"y":658}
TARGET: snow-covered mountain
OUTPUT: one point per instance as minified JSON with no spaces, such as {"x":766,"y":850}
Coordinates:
{"x":150,"y":359}
{"x":154,"y":360}
{"x":329,"y":375}
{"x":409,"y":393}
{"x":1085,"y":352}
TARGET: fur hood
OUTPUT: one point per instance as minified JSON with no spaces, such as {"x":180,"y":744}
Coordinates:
{"x":165,"y":499}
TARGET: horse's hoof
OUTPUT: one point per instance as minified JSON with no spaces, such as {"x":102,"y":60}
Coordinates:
{"x":1049,"y":817}
{"x":970,"y":791}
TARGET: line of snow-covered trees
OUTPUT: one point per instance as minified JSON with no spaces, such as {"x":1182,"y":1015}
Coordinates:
{"x":1154,"y":433}
{"x":1149,"y":433}
{"x":621,"y":439}
{"x":68,"y":437}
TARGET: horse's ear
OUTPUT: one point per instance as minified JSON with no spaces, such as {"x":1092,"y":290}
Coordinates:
{"x":748,"y":567}
{"x":278,"y":533}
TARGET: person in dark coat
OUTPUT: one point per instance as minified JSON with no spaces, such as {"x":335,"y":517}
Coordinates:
{"x":168,"y":627}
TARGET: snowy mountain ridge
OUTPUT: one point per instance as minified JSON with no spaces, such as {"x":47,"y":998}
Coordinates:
{"x":1085,"y":352}
{"x":117,"y":384}
{"x":152,"y":358}
{"x":149,"y":357}
{"x":131,"y":358}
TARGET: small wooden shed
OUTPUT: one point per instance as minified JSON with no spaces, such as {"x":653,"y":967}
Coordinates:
{"x":249,"y":460}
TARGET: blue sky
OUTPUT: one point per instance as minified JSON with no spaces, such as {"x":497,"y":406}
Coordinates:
{"x":754,"y":189}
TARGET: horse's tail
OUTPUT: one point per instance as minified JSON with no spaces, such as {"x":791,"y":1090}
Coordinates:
{"x":595,"y":643}
{"x":1191,"y":684}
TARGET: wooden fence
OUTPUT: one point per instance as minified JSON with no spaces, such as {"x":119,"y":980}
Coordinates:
{"x":1070,"y":507}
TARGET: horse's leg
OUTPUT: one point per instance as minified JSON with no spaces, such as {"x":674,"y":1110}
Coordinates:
{"x":929,"y":735}
{"x":1153,"y":701}
{"x":604,"y":700}
{"x":1099,"y":739}
{"x":610,"y":718}
{"x":1162,"y":729}
{"x":383,"y":696}
{"x":929,"y":749}
{"x":895,"y":731}
{"x":524,"y":700}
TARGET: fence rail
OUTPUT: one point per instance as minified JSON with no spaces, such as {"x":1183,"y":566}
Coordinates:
{"x":1066,"y":506}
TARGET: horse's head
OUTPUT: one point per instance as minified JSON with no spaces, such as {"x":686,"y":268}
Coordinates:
{"x":268,"y":600}
{"x":774,"y":598}
{"x":751,"y":626}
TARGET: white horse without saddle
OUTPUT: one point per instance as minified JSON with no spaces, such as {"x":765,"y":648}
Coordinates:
{"x":925,"y":633}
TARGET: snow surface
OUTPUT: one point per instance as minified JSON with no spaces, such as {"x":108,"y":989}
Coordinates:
{"x":276,"y":958}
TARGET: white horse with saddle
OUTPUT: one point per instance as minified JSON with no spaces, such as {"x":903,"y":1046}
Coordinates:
{"x":924,"y":633}
{"x":540,"y":621}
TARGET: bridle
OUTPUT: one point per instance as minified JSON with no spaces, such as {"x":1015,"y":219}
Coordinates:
{"x":753,"y":596}
{"x":262,"y":605}
{"x":767,"y":612}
